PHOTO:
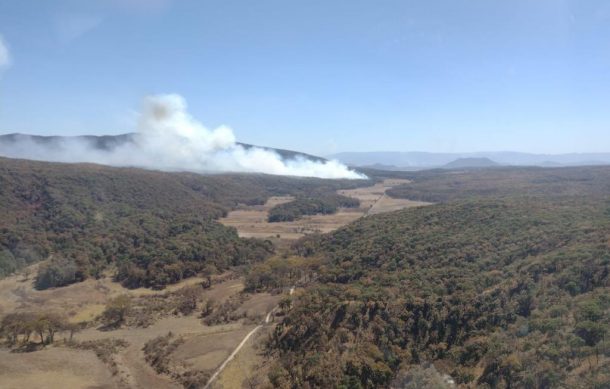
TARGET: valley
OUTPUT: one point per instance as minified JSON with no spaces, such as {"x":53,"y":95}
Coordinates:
{"x":251,"y":221}
{"x":445,"y":277}
{"x":202,"y":347}
{"x":304,"y":194}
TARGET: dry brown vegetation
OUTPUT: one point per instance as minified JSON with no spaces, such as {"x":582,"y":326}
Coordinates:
{"x":115,"y":355}
{"x":252,"y":221}
{"x":54,"y":368}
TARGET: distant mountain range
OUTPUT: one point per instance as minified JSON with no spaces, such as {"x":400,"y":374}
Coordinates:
{"x":414,"y":160}
{"x":461,"y":163}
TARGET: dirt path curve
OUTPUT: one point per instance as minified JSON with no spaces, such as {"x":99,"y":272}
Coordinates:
{"x":241,"y":344}
{"x":234,"y":353}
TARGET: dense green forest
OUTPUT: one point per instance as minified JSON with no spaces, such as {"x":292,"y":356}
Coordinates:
{"x":500,"y":289}
{"x":155,"y":228}
{"x":322,"y":204}
{"x":442,"y":186}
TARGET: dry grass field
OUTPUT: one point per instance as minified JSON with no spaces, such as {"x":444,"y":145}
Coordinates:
{"x":59,"y":366}
{"x":218,"y":346}
{"x":81,"y":301}
{"x":54,"y":368}
{"x":251,"y":221}
{"x":249,"y":366}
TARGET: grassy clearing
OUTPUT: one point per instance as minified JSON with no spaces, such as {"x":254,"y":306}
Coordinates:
{"x":252,"y":221}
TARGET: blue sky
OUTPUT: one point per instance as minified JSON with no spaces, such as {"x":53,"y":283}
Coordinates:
{"x":318,"y":76}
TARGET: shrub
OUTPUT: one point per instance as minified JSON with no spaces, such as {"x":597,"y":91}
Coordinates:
{"x":116,"y":311}
{"x":57,"y":272}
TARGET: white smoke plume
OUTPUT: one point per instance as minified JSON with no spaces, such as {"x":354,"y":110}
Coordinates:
{"x":170,"y":139}
{"x":5,"y":57}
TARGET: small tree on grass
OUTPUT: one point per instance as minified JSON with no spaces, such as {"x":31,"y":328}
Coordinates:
{"x":187,"y":299}
{"x":74,"y":328}
{"x":11,"y":327}
{"x":208,"y":307}
{"x":55,"y":323}
{"x":116,"y":311}
{"x":45,"y":325}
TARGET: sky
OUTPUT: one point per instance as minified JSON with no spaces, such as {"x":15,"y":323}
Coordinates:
{"x":318,"y":76}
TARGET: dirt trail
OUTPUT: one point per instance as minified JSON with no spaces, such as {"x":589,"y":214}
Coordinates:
{"x":220,"y":368}
{"x":134,"y":371}
{"x":234,"y":353}
{"x":368,"y":211}
{"x":252,"y":222}
{"x":374,"y":200}
{"x":55,"y":365}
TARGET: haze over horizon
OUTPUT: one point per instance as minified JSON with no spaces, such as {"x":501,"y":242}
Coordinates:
{"x":321,"y":78}
{"x":190,"y":195}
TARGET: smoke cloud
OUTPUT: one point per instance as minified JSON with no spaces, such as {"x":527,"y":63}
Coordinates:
{"x":169,"y":138}
{"x":5,"y":58}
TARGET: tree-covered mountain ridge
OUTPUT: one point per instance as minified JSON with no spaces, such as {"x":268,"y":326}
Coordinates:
{"x":111,"y":142}
{"x":498,"y":290}
{"x":154,"y":227}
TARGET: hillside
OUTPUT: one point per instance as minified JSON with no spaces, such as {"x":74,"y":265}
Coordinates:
{"x":443,"y":186}
{"x":504,"y":282}
{"x":502,"y":289}
{"x":155,"y":228}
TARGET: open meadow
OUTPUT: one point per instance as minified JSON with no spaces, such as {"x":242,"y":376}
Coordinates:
{"x":252,"y":221}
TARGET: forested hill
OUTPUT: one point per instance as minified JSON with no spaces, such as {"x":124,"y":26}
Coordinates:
{"x":443,"y":186}
{"x":154,"y":227}
{"x":13,"y":141}
{"x":501,"y":290}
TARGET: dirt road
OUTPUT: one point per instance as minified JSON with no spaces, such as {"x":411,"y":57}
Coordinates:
{"x":241,"y":345}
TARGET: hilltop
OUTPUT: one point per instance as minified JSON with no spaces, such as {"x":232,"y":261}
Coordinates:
{"x":470,"y":163}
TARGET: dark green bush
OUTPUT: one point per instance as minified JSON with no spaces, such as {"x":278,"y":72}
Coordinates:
{"x":57,"y":272}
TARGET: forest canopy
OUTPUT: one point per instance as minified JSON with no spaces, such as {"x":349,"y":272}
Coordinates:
{"x":507,"y":288}
{"x":155,"y":228}
{"x":323,"y":204}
